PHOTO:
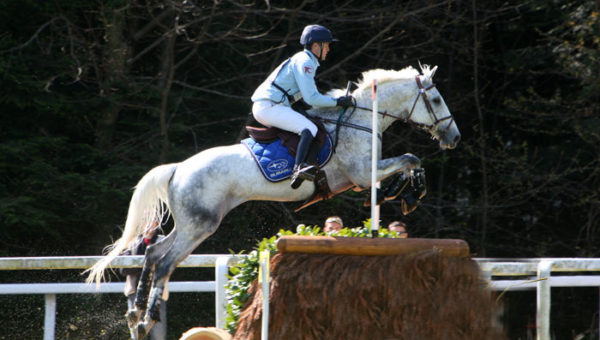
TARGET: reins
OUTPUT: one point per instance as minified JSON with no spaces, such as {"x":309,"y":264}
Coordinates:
{"x":338,"y":125}
{"x":345,"y":123}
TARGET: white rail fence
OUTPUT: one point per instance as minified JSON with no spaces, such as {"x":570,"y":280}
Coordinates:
{"x":221,"y":264}
{"x":540,"y":274}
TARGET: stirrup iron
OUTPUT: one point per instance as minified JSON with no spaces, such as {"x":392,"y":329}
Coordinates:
{"x":303,"y":172}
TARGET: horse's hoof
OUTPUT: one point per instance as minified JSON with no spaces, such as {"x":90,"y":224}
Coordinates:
{"x":142,"y":330}
{"x":133,"y":317}
{"x":133,"y":333}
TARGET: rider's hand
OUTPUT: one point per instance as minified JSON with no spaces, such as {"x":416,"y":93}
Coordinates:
{"x":345,"y":101}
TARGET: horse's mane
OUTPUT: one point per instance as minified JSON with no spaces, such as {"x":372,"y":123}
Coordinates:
{"x":384,"y":76}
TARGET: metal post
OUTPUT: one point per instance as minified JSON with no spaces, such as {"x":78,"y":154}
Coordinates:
{"x":486,"y":276}
{"x":221,"y":271}
{"x":543,"y":300}
{"x":374,"y":159}
{"x":50,"y":316}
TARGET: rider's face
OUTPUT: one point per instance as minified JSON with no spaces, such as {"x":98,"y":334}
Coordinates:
{"x":316,"y":49}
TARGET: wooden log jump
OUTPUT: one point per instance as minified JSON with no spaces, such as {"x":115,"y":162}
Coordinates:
{"x":370,"y":246}
{"x":325,"y":287}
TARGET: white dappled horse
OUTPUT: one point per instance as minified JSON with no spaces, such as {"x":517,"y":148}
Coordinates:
{"x":201,"y":190}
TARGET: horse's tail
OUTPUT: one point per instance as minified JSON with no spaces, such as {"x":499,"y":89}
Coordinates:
{"x":148,"y":205}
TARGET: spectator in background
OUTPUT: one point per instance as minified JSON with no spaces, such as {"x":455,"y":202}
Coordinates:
{"x":399,"y":228}
{"x":333,"y":223}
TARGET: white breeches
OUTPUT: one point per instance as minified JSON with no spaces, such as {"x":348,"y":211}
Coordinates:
{"x":284,"y":117}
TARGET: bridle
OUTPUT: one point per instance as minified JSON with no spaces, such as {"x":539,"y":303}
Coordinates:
{"x":422,"y":93}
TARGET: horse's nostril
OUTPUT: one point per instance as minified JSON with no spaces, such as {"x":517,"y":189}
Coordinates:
{"x":457,"y":139}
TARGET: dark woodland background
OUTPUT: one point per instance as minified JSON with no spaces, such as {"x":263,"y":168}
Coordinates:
{"x":93,"y":94}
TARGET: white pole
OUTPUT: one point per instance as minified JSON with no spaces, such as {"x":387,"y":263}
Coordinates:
{"x":543,"y":300}
{"x":374,"y":159}
{"x":221,"y":271}
{"x":50,"y":316}
{"x":264,"y":277}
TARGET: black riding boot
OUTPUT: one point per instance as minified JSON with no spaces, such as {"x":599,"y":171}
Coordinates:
{"x":302,"y":170}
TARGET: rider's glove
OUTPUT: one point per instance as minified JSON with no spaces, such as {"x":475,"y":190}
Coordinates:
{"x":345,"y":101}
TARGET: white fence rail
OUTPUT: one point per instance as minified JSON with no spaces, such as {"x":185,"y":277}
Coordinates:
{"x":221,"y":264}
{"x":540,"y":274}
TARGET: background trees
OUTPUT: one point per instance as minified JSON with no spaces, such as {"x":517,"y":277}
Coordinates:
{"x":96,"y":93}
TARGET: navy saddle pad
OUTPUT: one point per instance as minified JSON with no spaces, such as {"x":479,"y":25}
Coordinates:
{"x":275,"y":161}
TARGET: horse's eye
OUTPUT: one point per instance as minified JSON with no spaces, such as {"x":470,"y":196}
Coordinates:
{"x":437,"y":100}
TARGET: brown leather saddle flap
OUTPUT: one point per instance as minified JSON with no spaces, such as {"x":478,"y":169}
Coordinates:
{"x":261,"y":134}
{"x":288,"y":139}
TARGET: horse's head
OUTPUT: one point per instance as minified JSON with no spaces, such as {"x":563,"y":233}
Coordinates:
{"x":429,"y":111}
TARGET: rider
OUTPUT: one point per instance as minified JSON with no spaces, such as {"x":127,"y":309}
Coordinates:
{"x":291,"y":80}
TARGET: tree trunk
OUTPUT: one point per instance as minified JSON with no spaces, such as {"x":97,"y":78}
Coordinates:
{"x":115,"y":68}
{"x":167,"y":72}
{"x":483,"y":217}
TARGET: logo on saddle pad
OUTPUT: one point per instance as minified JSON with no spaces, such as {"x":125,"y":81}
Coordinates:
{"x":274,"y":160}
{"x":278,"y":165}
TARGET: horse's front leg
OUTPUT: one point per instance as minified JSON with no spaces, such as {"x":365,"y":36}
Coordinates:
{"x":385,"y":168}
{"x":391,"y":166}
{"x":391,"y":191}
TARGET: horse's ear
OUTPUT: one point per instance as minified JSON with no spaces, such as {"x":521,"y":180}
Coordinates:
{"x":427,"y":71}
{"x":432,"y":72}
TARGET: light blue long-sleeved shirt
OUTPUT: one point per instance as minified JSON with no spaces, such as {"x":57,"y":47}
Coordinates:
{"x":297,"y":76}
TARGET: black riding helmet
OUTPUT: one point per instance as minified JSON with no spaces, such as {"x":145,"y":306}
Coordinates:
{"x":315,"y":33}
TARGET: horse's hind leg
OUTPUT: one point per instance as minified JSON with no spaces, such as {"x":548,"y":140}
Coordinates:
{"x":141,"y":296}
{"x":188,"y":238}
{"x":153,"y":253}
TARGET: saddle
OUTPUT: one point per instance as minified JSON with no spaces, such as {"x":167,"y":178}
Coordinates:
{"x":288,"y":139}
